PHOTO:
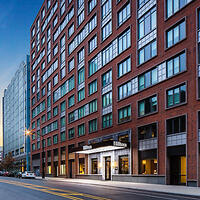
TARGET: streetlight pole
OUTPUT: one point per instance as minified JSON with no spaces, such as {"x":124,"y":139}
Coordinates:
{"x":27,"y":136}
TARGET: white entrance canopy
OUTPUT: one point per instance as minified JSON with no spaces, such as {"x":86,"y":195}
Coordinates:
{"x":111,"y":146}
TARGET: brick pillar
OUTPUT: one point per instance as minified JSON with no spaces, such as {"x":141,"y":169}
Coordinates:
{"x":86,"y":164}
{"x":59,"y":160}
{"x":76,"y":164}
{"x":161,"y":147}
{"x":191,"y":149}
{"x":135,"y":164}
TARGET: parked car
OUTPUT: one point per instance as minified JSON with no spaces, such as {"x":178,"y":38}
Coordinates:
{"x":18,"y":175}
{"x":28,"y":174}
{"x":1,"y":173}
{"x":5,"y":173}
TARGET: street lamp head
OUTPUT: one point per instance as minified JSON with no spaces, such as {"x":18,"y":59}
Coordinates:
{"x":27,"y":132}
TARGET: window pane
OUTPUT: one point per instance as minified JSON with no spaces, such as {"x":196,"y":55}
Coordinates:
{"x":170,"y":98}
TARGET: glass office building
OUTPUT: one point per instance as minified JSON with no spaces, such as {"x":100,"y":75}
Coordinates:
{"x":16,"y":115}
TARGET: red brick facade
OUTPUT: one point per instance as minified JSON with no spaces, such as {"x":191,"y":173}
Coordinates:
{"x":190,"y":108}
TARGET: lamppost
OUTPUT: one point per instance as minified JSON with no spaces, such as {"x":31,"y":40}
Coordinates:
{"x":27,"y":135}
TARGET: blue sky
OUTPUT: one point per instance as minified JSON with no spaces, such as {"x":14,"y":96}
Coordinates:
{"x":16,"y":18}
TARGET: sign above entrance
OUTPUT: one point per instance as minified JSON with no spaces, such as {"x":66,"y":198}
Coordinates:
{"x":101,"y":147}
{"x":86,"y":147}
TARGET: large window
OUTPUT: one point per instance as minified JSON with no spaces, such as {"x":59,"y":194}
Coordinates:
{"x":81,"y":55}
{"x":81,"y":130}
{"x":71,"y":133}
{"x":70,"y":30}
{"x":124,"y":14}
{"x":81,"y":165}
{"x":107,"y":30}
{"x":93,"y":106}
{"x":94,"y":167}
{"x":92,"y":125}
{"x":142,"y":2}
{"x":124,"y":114}
{"x":62,"y":122}
{"x":81,"y":112}
{"x":174,"y":6}
{"x":124,"y":90}
{"x":124,"y":41}
{"x":62,"y":106}
{"x":80,"y":3}
{"x":91,"y":5}
{"x":71,"y":65}
{"x":147,"y":79}
{"x":81,"y":94}
{"x":176,"y":125}
{"x":55,"y":139}
{"x":71,"y":101}
{"x":107,"y":99}
{"x":106,"y":8}
{"x":93,"y":87}
{"x":81,"y":75}
{"x":147,"y":23}
{"x":107,"y":78}
{"x":81,"y":18}
{"x":147,"y":52}
{"x":147,"y":106}
{"x":176,"y":95}
{"x":71,"y":83}
{"x":176,"y":34}
{"x":107,"y":120}
{"x":176,"y":65}
{"x":147,"y":132}
{"x":124,"y":67}
{"x":92,"y":44}
{"x":93,"y":66}
{"x":71,"y":117}
{"x":123,"y":165}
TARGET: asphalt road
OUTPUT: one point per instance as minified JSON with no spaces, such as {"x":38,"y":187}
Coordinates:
{"x":17,"y":189}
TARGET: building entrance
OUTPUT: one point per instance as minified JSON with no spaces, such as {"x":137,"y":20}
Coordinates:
{"x":107,"y":168}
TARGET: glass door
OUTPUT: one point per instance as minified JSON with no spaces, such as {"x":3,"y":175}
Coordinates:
{"x":107,"y":168}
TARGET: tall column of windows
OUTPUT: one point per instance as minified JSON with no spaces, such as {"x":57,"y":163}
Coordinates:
{"x":106,"y":19}
{"x":147,"y":31}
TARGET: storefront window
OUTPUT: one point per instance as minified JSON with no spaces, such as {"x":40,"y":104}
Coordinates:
{"x":123,"y":164}
{"x":95,"y":166}
{"x":62,"y":168}
{"x":148,"y":166}
{"x":81,"y":166}
{"x":49,"y":169}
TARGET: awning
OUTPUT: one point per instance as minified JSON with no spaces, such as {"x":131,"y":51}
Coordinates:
{"x":101,"y":147}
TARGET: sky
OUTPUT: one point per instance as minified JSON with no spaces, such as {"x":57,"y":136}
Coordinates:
{"x":16,"y":18}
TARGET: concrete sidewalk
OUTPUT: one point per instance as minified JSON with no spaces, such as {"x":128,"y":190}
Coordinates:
{"x":180,"y":190}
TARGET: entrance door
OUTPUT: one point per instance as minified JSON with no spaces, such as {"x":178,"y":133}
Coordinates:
{"x":107,"y":168}
{"x":71,"y":169}
{"x":55,"y":169}
{"x":178,"y":170}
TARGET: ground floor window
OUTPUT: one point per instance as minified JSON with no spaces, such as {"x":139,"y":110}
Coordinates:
{"x":148,"y":166}
{"x":94,"y":166}
{"x":62,"y":168}
{"x":148,"y":162}
{"x":49,"y":169}
{"x":81,"y":166}
{"x":123,"y":165}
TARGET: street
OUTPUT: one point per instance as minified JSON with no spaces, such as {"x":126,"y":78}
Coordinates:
{"x":18,"y":189}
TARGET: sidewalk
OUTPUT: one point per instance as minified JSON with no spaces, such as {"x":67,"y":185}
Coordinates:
{"x":181,"y":190}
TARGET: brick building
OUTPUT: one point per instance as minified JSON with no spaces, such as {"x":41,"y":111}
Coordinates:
{"x":114,"y":90}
